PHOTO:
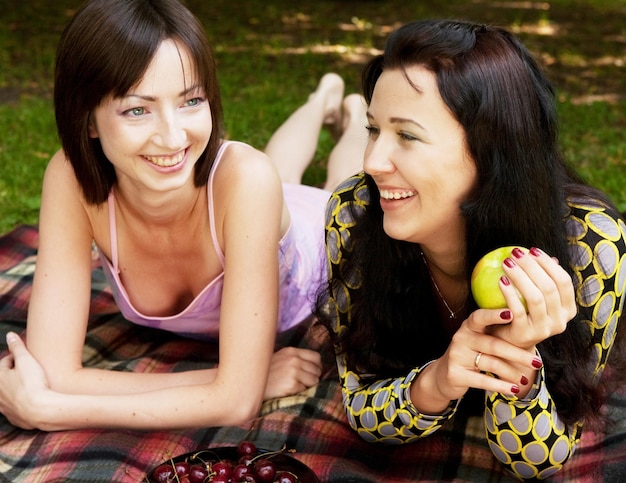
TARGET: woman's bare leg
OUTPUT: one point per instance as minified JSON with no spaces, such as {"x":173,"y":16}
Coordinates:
{"x":346,"y":158}
{"x":293,"y":145}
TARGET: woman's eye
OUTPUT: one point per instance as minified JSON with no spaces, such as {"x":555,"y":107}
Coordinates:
{"x":194,"y":102}
{"x":135,"y":111}
{"x":407,"y":137}
{"x":371,"y":130}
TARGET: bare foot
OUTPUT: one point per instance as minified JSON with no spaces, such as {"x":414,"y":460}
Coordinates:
{"x":330,"y":92}
{"x":354,"y":111}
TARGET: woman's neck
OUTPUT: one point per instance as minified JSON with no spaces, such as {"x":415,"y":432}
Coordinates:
{"x":449,"y":281}
{"x":161,"y":209}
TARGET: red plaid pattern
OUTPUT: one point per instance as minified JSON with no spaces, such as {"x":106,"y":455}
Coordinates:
{"x":313,"y":423}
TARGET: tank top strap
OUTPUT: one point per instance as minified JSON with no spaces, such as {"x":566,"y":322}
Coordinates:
{"x":210,"y":199}
{"x":113,"y":230}
{"x":216,"y":245}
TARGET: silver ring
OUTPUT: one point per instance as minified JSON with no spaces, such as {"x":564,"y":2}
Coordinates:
{"x":477,"y":360}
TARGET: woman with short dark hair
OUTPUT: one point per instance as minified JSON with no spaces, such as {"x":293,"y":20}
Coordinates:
{"x":199,"y":236}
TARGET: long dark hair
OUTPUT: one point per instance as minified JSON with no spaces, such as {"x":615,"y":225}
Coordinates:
{"x":507,"y":108}
{"x":104,"y":50}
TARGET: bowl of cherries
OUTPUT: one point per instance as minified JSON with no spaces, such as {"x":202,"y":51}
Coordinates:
{"x":233,"y":464}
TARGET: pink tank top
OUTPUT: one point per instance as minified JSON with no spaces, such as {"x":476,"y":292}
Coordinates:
{"x":302,"y":267}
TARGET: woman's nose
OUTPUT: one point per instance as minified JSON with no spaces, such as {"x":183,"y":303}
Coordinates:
{"x":377,"y":159}
{"x":171,"y":133}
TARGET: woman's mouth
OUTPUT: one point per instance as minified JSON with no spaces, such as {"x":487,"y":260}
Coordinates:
{"x":167,"y":161}
{"x":396,"y":194}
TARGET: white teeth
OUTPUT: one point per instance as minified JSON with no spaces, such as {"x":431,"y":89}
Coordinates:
{"x":166,"y":161}
{"x":396,"y":195}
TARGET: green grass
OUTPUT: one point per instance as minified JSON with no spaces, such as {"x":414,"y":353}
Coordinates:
{"x":271,"y":54}
{"x":27,"y":141}
{"x":594,"y":141}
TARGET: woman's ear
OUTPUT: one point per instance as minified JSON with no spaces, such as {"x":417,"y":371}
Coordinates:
{"x":93,"y":132}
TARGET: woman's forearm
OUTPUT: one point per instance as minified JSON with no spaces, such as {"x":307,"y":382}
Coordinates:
{"x":92,"y":381}
{"x":174,"y":408}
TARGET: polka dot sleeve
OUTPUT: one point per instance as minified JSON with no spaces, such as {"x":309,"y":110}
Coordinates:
{"x":381,"y":411}
{"x":527,"y":435}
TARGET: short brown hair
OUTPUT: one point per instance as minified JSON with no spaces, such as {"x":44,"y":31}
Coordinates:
{"x":104,"y":51}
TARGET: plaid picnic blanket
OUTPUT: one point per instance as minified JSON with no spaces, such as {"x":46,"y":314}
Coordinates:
{"x":312,"y":423}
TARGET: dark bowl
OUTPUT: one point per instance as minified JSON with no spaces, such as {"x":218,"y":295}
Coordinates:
{"x":283,"y":461}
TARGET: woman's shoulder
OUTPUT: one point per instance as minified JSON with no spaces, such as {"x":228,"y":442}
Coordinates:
{"x":243,"y":163}
{"x":60,"y":180}
{"x":353,"y":189}
{"x":63,"y":205}
{"x":242,"y":152}
{"x":586,"y":203}
{"x":587,"y":212}
{"x":59,"y":166}
{"x":595,"y":229}
{"x":348,"y":202}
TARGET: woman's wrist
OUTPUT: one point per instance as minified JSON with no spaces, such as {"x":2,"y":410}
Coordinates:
{"x":425,"y":394}
{"x":50,"y":416}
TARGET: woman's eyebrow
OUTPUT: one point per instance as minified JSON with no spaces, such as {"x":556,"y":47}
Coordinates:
{"x":399,"y":120}
{"x":404,"y":120}
{"x":152,"y":98}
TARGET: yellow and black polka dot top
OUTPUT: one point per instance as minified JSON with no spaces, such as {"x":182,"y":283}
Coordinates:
{"x":526,"y":435}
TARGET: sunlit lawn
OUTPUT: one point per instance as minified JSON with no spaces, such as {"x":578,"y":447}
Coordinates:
{"x":272,"y":53}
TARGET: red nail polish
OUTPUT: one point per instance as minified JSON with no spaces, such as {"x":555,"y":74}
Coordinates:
{"x":509,"y":263}
{"x":505,"y":280}
{"x":524,"y":380}
{"x":515,"y":389}
{"x":517,"y":253}
{"x":537,"y":363}
{"x":535,"y":251}
{"x":505,"y":314}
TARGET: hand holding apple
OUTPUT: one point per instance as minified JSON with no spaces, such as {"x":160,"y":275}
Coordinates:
{"x":486,"y":278}
{"x":534,"y":274}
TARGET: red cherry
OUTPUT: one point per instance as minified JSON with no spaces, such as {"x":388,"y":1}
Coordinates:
{"x":182,"y":468}
{"x":246,"y":448}
{"x":220,"y":479}
{"x":184,"y":479}
{"x":240,"y":471}
{"x":198,"y":474}
{"x":164,"y":473}
{"x":265,"y":470}
{"x":222,"y":468}
{"x":246,"y":460}
{"x":285,"y":477}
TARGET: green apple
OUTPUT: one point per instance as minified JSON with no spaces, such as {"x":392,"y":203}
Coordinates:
{"x":486,"y":277}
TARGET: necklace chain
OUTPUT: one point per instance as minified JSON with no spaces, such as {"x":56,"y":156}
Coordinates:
{"x":453,"y":313}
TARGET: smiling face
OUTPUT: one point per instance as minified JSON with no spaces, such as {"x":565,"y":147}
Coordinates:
{"x":155,"y":133}
{"x":416,"y":155}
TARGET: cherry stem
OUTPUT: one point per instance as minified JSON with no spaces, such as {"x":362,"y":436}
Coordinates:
{"x":271,"y":454}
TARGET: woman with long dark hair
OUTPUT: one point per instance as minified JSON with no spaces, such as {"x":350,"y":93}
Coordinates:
{"x":463,"y":158}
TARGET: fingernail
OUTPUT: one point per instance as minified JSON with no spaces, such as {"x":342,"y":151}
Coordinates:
{"x":509,"y":263}
{"x":517,"y":253}
{"x":11,"y":337}
{"x":524,"y":380}
{"x":505,"y":314}
{"x":537,"y":363}
{"x":515,"y":389}
{"x":505,"y":281}
{"x":535,"y":251}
